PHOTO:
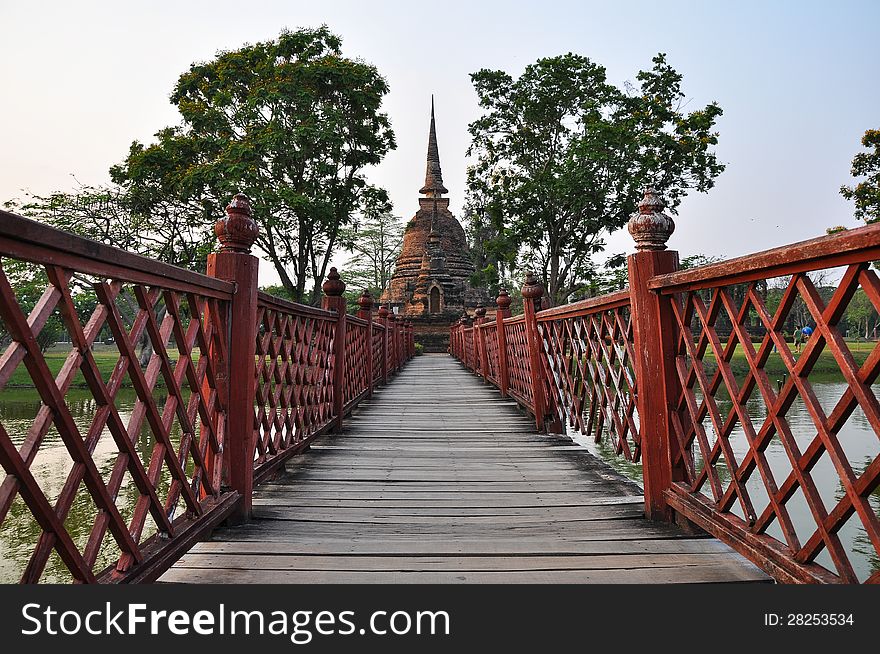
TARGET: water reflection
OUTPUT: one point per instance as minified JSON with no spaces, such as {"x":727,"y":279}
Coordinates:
{"x":20,"y":532}
{"x":857,"y":439}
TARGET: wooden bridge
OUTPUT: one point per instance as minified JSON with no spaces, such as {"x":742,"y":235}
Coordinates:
{"x":272,"y":441}
{"x":415,"y":490}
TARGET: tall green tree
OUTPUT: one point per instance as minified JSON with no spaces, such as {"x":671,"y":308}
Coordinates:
{"x":163,"y":230}
{"x":290,"y":122}
{"x":563,"y":156}
{"x":866,"y":194}
{"x":373,"y":241}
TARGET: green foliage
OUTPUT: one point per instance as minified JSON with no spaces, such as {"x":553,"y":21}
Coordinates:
{"x":860,"y":316}
{"x":374,"y":241}
{"x":29,"y":282}
{"x":696,"y":260}
{"x":866,"y":194}
{"x":563,"y":156}
{"x":492,"y":250}
{"x":162,"y":230}
{"x":290,"y":122}
{"x":420,"y":349}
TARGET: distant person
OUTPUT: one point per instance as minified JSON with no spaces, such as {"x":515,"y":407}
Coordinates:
{"x":798,"y":339}
{"x":804,"y":335}
{"x":784,"y":335}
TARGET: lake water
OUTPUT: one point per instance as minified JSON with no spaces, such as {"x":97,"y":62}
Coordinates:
{"x":857,"y":438}
{"x":19,"y":532}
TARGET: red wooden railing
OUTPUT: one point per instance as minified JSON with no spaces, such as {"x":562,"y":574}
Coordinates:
{"x":649,"y":369}
{"x":254,"y":380}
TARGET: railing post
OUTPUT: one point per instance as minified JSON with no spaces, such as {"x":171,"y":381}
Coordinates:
{"x":532,"y":291}
{"x":396,"y":334}
{"x":482,"y":357}
{"x":333,"y":300}
{"x":383,"y":318}
{"x":365,"y":302}
{"x":235,"y":263}
{"x":503,"y":304}
{"x":392,"y":343}
{"x":654,"y":330}
{"x":465,"y":323}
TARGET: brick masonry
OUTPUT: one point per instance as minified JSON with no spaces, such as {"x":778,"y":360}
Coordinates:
{"x":434,"y":261}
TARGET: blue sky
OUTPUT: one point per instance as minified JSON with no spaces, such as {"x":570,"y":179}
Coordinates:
{"x":797,"y":82}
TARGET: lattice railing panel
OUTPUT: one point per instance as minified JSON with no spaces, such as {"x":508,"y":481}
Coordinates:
{"x":468,"y":346}
{"x":377,"y":351}
{"x":490,"y":338}
{"x":589,"y":359}
{"x":356,"y":355}
{"x":294,"y":390}
{"x":518,"y":365}
{"x":761,"y":447}
{"x":90,"y":488}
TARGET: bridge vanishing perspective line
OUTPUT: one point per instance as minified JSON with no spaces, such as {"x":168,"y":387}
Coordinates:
{"x":438,"y":479}
{"x":439,"y":468}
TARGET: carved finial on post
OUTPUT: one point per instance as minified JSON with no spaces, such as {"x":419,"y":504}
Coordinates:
{"x":333,"y":286}
{"x":365,"y":301}
{"x":480,"y":312}
{"x":234,"y":368}
{"x":503,"y":300}
{"x":237,"y":231}
{"x":533,"y":290}
{"x":503,"y":304}
{"x":383,"y":312}
{"x":650,"y":227}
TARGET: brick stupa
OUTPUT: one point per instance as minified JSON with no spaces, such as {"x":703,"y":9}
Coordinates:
{"x":431,"y":281}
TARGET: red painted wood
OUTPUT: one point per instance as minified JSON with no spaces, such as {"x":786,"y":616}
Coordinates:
{"x":28,"y":240}
{"x":531,"y":304}
{"x":653,"y":336}
{"x":502,"y":312}
{"x":366,"y":313}
{"x":844,"y":248}
{"x":386,"y":348}
{"x":337,"y":304}
{"x":242,"y":269}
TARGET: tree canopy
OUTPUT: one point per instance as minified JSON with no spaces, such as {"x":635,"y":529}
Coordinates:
{"x":562,"y":156}
{"x":866,"y":194}
{"x":290,"y":122}
{"x":374,"y":240}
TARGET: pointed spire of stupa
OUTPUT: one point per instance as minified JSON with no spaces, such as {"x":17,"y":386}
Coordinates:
{"x":433,"y":175}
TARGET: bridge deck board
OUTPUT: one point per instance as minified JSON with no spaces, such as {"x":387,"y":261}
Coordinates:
{"x":419,"y":489}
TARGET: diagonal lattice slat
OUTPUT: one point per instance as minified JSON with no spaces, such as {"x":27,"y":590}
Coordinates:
{"x":708,"y":381}
{"x":588,"y":358}
{"x":176,"y":469}
{"x":294,"y":392}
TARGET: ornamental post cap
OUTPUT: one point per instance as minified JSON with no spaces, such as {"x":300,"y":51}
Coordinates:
{"x":480,"y":311}
{"x":365,"y":301}
{"x":650,"y":227}
{"x":532,"y":288}
{"x":503,"y":300}
{"x":383,"y":312}
{"x":238,"y":230}
{"x":333,"y":286}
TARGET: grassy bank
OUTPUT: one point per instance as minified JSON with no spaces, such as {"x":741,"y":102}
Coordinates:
{"x":825,"y":368}
{"x":105,"y":357}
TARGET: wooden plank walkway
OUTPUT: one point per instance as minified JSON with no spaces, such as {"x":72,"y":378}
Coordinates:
{"x":440,"y":480}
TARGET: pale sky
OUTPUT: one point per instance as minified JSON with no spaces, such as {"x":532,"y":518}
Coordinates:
{"x":797,"y":82}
